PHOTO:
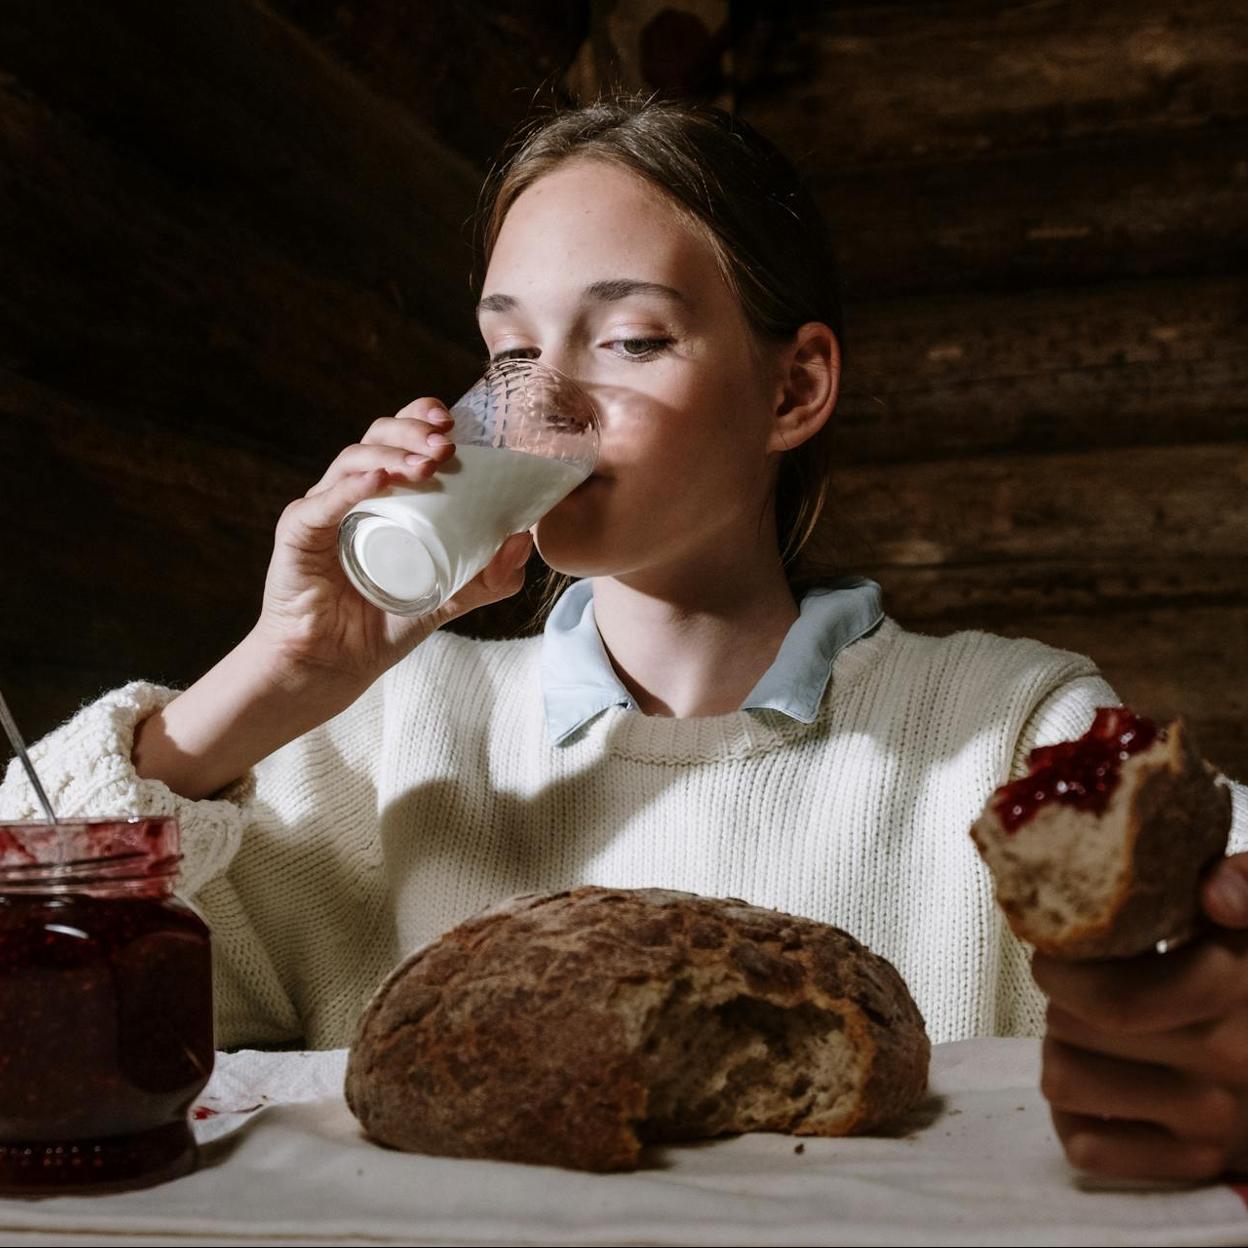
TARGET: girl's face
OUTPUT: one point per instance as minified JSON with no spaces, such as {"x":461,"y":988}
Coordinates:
{"x":595,"y":272}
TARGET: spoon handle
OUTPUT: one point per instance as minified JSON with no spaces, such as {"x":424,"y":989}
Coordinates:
{"x":15,"y":738}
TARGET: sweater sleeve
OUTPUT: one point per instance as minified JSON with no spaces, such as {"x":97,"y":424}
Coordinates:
{"x":1064,"y":714}
{"x":86,"y":770}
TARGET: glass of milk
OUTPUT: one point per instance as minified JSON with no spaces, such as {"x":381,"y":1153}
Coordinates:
{"x":525,"y":437}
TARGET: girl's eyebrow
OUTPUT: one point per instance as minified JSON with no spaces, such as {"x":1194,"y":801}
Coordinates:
{"x":606,"y":291}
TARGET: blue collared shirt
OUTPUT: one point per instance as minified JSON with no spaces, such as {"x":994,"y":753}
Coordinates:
{"x":579,"y":683}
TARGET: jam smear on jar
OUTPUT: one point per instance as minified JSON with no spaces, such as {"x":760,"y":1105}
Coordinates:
{"x":106,"y":1021}
{"x":1082,"y":773}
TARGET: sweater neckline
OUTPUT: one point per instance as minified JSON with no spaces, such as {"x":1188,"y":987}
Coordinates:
{"x":736,"y":734}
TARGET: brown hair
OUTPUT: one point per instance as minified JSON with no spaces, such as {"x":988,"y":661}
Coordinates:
{"x":770,"y":239}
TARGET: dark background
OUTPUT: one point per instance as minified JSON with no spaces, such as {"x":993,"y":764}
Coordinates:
{"x":233,"y":233}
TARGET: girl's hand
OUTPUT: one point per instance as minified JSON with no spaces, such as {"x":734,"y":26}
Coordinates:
{"x":1145,"y":1060}
{"x":313,"y":622}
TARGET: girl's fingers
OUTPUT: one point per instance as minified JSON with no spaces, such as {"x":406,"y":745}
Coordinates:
{"x":414,"y":435}
{"x":508,"y":563}
{"x":416,"y":465}
{"x":428,"y":409}
{"x":1224,"y":892}
{"x":1151,"y":992}
{"x":500,"y":578}
{"x":1211,"y":1050}
{"x":312,"y":522}
{"x":422,"y":428}
{"x":1136,"y":1150}
{"x":407,"y":431}
{"x":1079,"y":1082}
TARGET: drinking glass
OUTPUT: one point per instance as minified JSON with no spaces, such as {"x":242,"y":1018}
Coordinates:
{"x":525,"y":437}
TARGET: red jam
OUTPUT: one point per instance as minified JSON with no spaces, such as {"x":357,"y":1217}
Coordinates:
{"x":1082,"y":773}
{"x":105,"y":1007}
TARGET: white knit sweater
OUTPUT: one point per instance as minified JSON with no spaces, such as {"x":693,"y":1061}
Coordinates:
{"x":438,"y":792}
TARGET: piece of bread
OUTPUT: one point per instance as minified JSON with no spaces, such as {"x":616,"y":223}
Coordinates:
{"x":569,"y":1028}
{"x":1098,"y":851}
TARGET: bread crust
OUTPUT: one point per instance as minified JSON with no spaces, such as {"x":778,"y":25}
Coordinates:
{"x":1174,"y":822}
{"x":522,"y":1033}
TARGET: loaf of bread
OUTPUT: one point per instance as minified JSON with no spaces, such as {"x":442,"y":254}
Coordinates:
{"x":571,"y":1028}
{"x":1098,"y":851}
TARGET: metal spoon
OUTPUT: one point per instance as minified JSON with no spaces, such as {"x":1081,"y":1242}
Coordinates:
{"x":15,"y":737}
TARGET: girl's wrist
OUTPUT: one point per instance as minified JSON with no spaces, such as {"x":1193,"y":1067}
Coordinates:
{"x":245,"y":708}
{"x":270,"y":674}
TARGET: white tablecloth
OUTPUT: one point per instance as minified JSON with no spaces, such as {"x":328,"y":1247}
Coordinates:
{"x":284,"y":1161}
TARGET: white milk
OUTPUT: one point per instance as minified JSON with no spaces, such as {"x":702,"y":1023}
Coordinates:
{"x":435,"y":537}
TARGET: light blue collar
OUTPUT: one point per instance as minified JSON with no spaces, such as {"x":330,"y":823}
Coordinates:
{"x":579,"y":683}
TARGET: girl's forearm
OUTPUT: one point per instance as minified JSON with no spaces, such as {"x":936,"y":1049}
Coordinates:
{"x":233,"y":716}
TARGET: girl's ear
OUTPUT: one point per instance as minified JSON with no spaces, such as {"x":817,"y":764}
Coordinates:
{"x":809,"y":380}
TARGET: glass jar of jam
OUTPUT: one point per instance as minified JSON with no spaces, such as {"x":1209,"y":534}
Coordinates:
{"x":105,"y":1007}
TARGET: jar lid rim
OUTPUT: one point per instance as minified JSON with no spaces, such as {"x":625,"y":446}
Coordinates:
{"x":134,"y":846}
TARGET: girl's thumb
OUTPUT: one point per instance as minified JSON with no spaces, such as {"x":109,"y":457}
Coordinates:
{"x":501,"y":577}
{"x":1225,"y":892}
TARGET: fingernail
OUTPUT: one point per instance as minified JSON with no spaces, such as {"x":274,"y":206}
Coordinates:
{"x":436,"y":439}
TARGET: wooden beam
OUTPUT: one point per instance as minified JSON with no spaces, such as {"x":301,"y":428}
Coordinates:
{"x":144,"y":298}
{"x":1148,"y":363}
{"x":1169,"y":661}
{"x":467,"y":70}
{"x":132,"y":545}
{"x":1125,"y":504}
{"x":1002,"y":594}
{"x":42,"y":693}
{"x":866,"y":83}
{"x":1160,"y":204}
{"x":221,"y":114}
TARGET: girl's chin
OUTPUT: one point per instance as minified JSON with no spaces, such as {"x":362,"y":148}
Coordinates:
{"x":572,"y":549}
{"x":579,"y":564}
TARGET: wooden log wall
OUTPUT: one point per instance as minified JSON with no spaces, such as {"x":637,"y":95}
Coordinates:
{"x":1044,"y":432}
{"x":223,"y":255}
{"x":234,"y":234}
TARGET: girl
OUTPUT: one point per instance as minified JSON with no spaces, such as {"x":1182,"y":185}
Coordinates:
{"x":693,"y":716}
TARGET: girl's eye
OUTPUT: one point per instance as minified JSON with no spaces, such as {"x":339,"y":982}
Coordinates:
{"x":515,"y":353}
{"x":633,"y":349}
{"x":640,"y":348}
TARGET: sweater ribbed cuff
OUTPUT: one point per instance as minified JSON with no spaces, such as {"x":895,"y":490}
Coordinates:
{"x":1237,"y":843}
{"x":86,"y":769}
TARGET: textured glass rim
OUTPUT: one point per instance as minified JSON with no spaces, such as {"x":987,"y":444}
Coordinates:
{"x":129,"y":868}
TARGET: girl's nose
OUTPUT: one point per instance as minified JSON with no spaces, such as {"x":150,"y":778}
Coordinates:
{"x":562,"y":362}
{"x":566,"y":364}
